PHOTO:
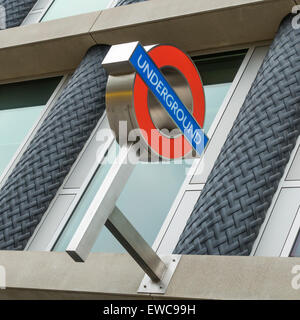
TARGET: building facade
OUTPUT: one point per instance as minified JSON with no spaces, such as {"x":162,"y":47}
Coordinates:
{"x":232,"y":216}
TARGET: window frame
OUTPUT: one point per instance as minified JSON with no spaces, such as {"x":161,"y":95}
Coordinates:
{"x":285,"y":245}
{"x":53,"y":223}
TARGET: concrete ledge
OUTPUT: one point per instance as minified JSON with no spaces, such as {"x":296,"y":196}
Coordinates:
{"x":50,"y":47}
{"x":52,"y":275}
{"x":195,"y":26}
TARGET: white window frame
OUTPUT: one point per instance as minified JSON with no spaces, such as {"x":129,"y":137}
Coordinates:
{"x":267,"y":238}
{"x":54,"y":220}
{"x":27,"y":139}
{"x":38,"y":11}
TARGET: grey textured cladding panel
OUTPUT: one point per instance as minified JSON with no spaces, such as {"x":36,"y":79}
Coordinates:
{"x":30,"y":188}
{"x":240,"y":188}
{"x":16,"y":11}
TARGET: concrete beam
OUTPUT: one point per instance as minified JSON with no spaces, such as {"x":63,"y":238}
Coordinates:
{"x":195,"y":26}
{"x":45,"y":48}
{"x":52,"y":275}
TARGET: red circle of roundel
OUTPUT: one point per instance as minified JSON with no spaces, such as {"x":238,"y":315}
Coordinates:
{"x":166,"y":55}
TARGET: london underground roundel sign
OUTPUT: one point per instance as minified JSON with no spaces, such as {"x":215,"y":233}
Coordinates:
{"x":158,"y":92}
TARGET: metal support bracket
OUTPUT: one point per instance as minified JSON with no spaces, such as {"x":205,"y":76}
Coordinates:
{"x":103,"y":211}
{"x":103,"y":204}
{"x":135,"y":245}
{"x":149,"y":286}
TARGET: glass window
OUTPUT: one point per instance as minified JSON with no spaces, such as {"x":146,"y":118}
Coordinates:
{"x":217,"y":73}
{"x":86,"y":200}
{"x":66,"y":8}
{"x":152,"y":187}
{"x":21,"y":105}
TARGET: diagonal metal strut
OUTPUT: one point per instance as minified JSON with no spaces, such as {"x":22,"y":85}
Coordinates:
{"x":102,"y":211}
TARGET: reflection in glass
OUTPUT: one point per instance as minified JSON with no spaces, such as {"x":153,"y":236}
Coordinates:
{"x":66,"y":8}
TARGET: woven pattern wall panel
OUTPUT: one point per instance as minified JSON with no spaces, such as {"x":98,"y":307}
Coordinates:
{"x":16,"y":11}
{"x":233,"y":204}
{"x":26,"y":195}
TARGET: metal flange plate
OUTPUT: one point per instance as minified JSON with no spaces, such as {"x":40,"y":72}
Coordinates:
{"x":148,"y":286}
